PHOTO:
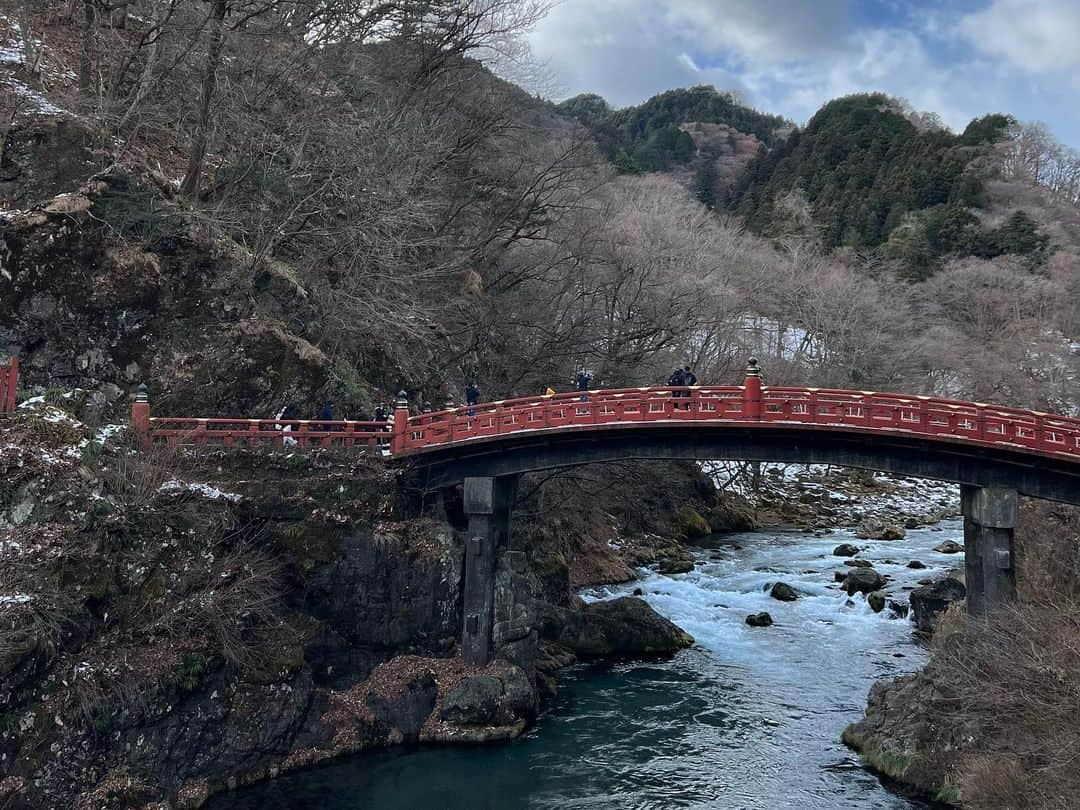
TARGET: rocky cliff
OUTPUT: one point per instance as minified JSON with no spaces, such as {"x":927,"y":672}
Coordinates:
{"x":178,"y":624}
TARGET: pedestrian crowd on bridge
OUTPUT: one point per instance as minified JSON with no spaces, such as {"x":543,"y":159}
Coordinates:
{"x":680,"y":378}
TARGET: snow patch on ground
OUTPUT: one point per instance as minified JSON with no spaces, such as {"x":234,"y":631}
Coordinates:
{"x":173,"y":487}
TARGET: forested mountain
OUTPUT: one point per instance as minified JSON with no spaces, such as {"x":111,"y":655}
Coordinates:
{"x":865,"y":168}
{"x":649,"y":137}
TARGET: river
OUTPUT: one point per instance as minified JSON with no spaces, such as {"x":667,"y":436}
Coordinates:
{"x":748,"y":718}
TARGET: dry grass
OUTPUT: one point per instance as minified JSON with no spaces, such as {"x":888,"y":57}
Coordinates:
{"x":1011,"y":683}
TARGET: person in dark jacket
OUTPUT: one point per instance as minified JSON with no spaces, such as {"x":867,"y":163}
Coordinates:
{"x":582,"y":382}
{"x":689,"y":378}
{"x":472,"y":396}
{"x":326,"y":414}
{"x":380,"y":415}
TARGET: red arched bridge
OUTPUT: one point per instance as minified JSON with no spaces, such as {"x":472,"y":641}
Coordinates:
{"x":994,"y":453}
{"x":965,"y":442}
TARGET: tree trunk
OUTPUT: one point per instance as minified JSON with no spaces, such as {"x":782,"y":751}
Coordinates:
{"x":85,"y":65}
{"x":190,"y":186}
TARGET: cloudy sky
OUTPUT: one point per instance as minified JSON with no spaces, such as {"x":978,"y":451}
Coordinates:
{"x":959,"y":58}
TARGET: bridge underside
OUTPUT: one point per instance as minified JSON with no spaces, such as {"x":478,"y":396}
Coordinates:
{"x":990,"y":479}
{"x":966,"y":464}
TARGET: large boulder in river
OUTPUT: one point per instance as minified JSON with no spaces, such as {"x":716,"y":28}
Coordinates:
{"x":858,"y":564}
{"x":930,"y":601}
{"x":948,"y":547}
{"x":675,"y":566}
{"x":487,"y":700}
{"x":876,"y":600}
{"x":863,"y":580}
{"x":783,"y":592}
{"x":845,"y":550}
{"x":624,"y":626}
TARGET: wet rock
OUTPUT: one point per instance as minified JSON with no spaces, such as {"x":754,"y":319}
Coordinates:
{"x":839,"y":576}
{"x":858,"y":563}
{"x":880,"y":531}
{"x":863,"y":580}
{"x":876,"y":600}
{"x":898,"y":608}
{"x":638,"y":592}
{"x":929,"y":602}
{"x":624,"y":626}
{"x":916,"y":564}
{"x":948,"y":547}
{"x":762,"y":619}
{"x":911,"y":523}
{"x":485,"y":700}
{"x":783,"y":592}
{"x":845,"y":550}
{"x":676,"y":566}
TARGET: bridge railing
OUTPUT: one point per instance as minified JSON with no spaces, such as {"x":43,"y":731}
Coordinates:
{"x":9,"y":382}
{"x":749,"y":404}
{"x":578,"y":409}
{"x":285,"y":433}
{"x":931,"y":416}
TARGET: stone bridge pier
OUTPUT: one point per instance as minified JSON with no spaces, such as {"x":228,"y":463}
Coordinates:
{"x":495,"y":610}
{"x":990,"y":515}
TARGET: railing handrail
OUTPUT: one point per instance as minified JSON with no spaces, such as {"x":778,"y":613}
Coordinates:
{"x":768,"y":407}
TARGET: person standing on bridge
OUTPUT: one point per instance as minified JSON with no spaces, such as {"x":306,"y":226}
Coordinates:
{"x":286,"y":414}
{"x":472,"y":396}
{"x":582,"y":382}
{"x":326,"y":413}
{"x":689,"y":378}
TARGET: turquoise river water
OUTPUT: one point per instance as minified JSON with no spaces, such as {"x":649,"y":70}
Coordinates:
{"x":748,"y":718}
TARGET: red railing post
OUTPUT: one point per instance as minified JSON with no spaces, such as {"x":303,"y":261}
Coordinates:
{"x":140,"y":418}
{"x":9,"y":381}
{"x":752,"y":390}
{"x":401,"y":423}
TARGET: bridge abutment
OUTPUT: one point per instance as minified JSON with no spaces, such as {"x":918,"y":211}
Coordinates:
{"x":488,"y":503}
{"x":990,"y":515}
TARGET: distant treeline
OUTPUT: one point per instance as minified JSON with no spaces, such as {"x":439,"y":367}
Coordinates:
{"x":647,"y":137}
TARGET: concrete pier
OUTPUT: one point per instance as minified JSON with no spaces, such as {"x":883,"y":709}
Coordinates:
{"x":990,"y":515}
{"x":488,"y":502}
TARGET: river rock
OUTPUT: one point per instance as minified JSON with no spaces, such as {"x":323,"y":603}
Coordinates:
{"x":898,"y":608}
{"x":845,"y":550}
{"x":783,"y":592}
{"x":858,"y":563}
{"x":863,"y":580}
{"x":930,"y":601}
{"x":762,"y":619}
{"x":880,"y":531}
{"x":911,"y":523}
{"x":948,"y":547}
{"x":675,"y":566}
{"x":624,"y":626}
{"x":916,"y":565}
{"x":876,"y":600}
{"x":485,"y":700}
{"x":839,"y":576}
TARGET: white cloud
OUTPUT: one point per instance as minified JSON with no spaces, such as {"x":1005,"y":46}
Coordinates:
{"x":1038,"y":36}
{"x":791,"y":56}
